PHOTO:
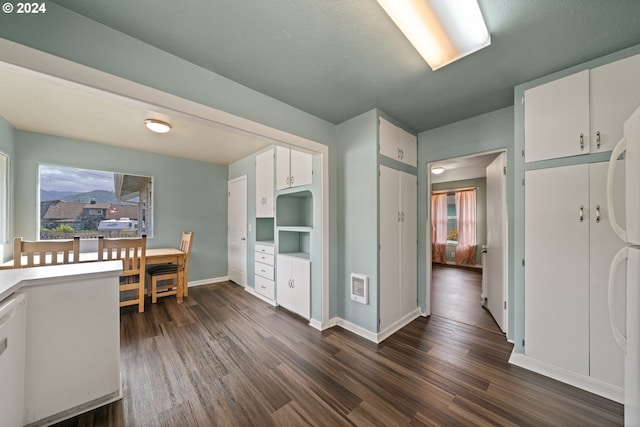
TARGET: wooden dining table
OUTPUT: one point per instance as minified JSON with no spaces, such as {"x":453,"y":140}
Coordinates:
{"x":152,"y":256}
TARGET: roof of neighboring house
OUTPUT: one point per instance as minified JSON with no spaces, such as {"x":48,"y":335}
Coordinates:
{"x":73,"y":210}
{"x":122,"y":211}
{"x":64,"y":210}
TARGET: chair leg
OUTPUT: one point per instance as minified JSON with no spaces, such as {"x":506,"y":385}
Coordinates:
{"x":141,"y":295}
{"x":154,"y":290}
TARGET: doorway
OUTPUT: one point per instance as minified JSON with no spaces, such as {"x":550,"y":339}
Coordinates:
{"x":237,"y":230}
{"x":468,"y":288}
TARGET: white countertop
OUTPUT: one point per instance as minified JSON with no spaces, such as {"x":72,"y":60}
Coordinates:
{"x":13,"y":279}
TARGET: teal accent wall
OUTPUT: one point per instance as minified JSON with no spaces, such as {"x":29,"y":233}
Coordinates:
{"x":480,"y":134}
{"x":358,"y":216}
{"x":195,"y":201}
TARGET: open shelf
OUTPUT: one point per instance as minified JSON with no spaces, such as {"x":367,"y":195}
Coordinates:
{"x":294,"y":209}
{"x":294,"y":242}
{"x":265,"y":231}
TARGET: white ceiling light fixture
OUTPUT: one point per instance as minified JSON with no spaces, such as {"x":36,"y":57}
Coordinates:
{"x":442,"y":31}
{"x":157,"y":126}
{"x":437,"y":170}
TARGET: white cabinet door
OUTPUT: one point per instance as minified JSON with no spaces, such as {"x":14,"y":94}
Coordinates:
{"x":614,"y":94}
{"x":557,"y":266}
{"x":397,"y":143}
{"x":409,"y":242}
{"x":390,"y":299}
{"x":301,"y":168}
{"x":607,"y":359}
{"x":398,"y":245}
{"x":293,"y":284}
{"x":264,"y":184}
{"x":283,"y":168}
{"x":556,"y":118}
{"x":293,"y":168}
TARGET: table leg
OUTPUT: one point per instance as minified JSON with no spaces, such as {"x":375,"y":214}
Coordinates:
{"x":181,"y":287}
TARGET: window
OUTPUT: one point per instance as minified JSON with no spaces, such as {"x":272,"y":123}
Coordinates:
{"x":452,"y":219}
{"x":92,"y":203}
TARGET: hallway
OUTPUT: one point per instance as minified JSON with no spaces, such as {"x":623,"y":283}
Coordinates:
{"x":455,"y":295}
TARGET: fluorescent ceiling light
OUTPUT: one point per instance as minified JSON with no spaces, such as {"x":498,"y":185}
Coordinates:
{"x":437,"y":171}
{"x":157,"y":126}
{"x":442,"y":31}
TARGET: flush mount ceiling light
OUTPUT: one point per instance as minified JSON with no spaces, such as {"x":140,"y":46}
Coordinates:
{"x":157,"y":126}
{"x":442,"y":31}
{"x":437,"y":170}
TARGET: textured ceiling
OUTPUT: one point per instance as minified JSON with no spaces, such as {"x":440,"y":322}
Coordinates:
{"x":338,"y":58}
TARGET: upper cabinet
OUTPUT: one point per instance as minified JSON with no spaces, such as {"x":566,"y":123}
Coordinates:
{"x":581,"y":113}
{"x":396,"y":143}
{"x":293,"y":168}
{"x":264,"y":184}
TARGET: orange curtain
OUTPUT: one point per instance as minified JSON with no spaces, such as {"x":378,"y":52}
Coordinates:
{"x":466,"y":213}
{"x":438,"y":226}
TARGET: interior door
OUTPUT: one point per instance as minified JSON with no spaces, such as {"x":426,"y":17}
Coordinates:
{"x":496,"y":260}
{"x":237,"y":230}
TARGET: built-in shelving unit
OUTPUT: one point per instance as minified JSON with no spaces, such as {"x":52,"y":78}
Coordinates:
{"x":294,"y":223}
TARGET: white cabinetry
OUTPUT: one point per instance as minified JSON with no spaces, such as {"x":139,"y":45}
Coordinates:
{"x":293,"y":168}
{"x":294,"y":284}
{"x":581,"y":113}
{"x":398,"y":245}
{"x":397,"y":143}
{"x":265,"y":271}
{"x":264,"y":184}
{"x":568,"y":247}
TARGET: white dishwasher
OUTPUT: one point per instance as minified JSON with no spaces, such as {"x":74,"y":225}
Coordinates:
{"x":13,"y":315}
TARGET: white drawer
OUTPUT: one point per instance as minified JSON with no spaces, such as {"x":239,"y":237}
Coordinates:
{"x":265,"y":249}
{"x":265,"y":287}
{"x":264,"y":270}
{"x":265,"y":258}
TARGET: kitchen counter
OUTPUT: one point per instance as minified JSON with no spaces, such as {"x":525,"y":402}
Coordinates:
{"x":13,"y":280}
{"x":72,"y":351}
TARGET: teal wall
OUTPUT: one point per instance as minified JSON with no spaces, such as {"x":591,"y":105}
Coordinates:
{"x":358,"y":216}
{"x":195,"y":201}
{"x":480,"y":134}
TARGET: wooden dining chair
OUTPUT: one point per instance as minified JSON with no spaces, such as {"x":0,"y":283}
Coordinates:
{"x":168,"y":273}
{"x":132,"y":252}
{"x":45,"y":252}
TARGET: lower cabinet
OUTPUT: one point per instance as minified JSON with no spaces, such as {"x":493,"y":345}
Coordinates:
{"x":569,"y":245}
{"x":265,"y":271}
{"x":293,"y":284}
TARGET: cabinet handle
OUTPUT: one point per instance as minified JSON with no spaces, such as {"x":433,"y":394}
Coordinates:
{"x":598,"y":214}
{"x":293,"y":283}
{"x":398,"y":216}
{"x":581,"y":213}
{"x":402,"y":220}
{"x":581,"y":142}
{"x":401,"y":154}
{"x":287,"y":180}
{"x":291,"y":179}
{"x":598,"y":138}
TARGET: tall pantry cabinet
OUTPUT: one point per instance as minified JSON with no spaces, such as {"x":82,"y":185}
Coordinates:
{"x":569,"y":243}
{"x":398,"y":243}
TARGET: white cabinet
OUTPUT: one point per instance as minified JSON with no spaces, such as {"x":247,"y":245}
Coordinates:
{"x":264,"y":184}
{"x":265,"y":270}
{"x":581,"y":113}
{"x":293,"y":284}
{"x":397,"y":143}
{"x":293,"y":168}
{"x":398,"y":245}
{"x":568,"y":247}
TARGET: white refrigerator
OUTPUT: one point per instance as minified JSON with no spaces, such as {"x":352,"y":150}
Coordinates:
{"x":628,"y":335}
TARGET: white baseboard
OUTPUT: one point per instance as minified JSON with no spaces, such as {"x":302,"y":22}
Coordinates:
{"x":589,"y":384}
{"x":356,"y":329}
{"x":316,"y":324}
{"x":207,"y":281}
{"x":398,"y":324}
{"x":253,"y":292}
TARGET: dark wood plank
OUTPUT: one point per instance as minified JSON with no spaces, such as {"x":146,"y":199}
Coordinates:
{"x":226,"y":358}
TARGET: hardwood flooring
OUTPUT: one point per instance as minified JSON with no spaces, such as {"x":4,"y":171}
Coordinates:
{"x":455,"y":294}
{"x":225,"y":358}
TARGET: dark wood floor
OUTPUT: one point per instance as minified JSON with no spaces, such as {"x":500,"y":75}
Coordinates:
{"x":226,"y":358}
{"x":455,"y":295}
